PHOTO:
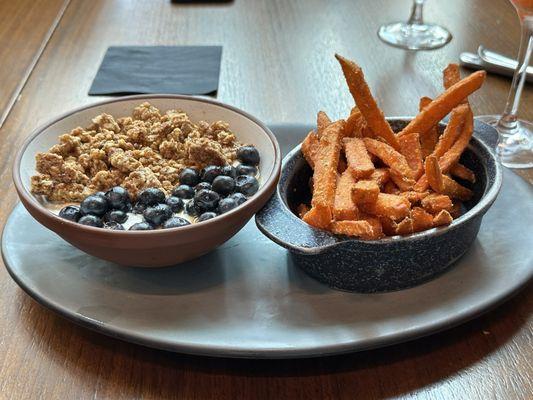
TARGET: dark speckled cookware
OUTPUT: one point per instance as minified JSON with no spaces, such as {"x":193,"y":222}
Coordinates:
{"x":387,"y":264}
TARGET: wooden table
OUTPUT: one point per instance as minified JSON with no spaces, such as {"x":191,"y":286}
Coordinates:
{"x":277,"y":64}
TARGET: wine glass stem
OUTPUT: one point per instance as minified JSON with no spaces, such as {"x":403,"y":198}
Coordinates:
{"x":416,"y":13}
{"x":509,"y":120}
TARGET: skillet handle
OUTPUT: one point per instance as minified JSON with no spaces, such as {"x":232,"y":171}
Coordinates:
{"x":281,"y":226}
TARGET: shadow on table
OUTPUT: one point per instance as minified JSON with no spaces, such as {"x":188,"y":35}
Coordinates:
{"x":119,"y":369}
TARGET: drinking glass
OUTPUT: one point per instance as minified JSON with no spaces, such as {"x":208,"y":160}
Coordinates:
{"x":415,"y":34}
{"x":515,"y":139}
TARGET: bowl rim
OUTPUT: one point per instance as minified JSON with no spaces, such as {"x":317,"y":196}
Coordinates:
{"x":268,"y":183}
{"x":486,"y":200}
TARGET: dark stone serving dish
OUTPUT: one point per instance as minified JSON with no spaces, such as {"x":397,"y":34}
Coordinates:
{"x":387,"y":264}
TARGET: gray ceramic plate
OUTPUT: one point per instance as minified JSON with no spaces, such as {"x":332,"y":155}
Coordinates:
{"x":246,"y":299}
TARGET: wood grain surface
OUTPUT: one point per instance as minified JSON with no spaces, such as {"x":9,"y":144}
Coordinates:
{"x":277,"y":64}
{"x":25,"y":28}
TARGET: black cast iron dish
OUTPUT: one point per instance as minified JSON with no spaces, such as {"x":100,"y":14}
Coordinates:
{"x":388,"y":264}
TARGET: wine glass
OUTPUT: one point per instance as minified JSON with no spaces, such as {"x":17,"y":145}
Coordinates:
{"x":415,"y":34}
{"x":515,"y":139}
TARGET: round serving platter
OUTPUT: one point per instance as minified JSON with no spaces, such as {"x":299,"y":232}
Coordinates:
{"x":246,"y":299}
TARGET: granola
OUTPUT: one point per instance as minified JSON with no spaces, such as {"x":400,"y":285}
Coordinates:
{"x":148,"y":149}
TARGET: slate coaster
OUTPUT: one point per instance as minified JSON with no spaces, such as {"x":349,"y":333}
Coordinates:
{"x":158,"y":69}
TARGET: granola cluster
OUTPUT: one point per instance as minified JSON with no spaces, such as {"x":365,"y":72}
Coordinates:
{"x":148,"y":149}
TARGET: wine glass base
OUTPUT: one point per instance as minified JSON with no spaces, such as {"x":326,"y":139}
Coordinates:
{"x":414,"y":36}
{"x":515,"y":147}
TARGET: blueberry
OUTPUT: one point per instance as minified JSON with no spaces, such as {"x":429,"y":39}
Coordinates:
{"x":151,"y":197}
{"x":192,"y":209}
{"x":175,"y":203}
{"x":72,"y":213}
{"x":141,"y":226}
{"x":207,"y":215}
{"x":246,"y":185}
{"x":223,"y":185}
{"x":189,"y":176}
{"x":243,"y":169}
{"x":138,"y":208}
{"x":156,"y":215}
{"x":238,"y":197}
{"x":206,"y":200}
{"x":118,"y":198}
{"x":202,"y":185}
{"x":248,"y":155}
{"x":226,"y":205}
{"x":114,"y":226}
{"x":229,"y":170}
{"x":175,"y":222}
{"x":183,"y":192}
{"x":91,"y":220}
{"x":94,"y":205}
{"x":101,"y":194}
{"x":115,"y":216}
{"x":211,"y":172}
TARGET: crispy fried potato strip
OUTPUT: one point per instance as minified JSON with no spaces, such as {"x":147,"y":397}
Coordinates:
{"x":365,"y":193}
{"x":422,"y":220}
{"x":410,"y":149}
{"x":389,"y":205}
{"x":442,"y":218}
{"x":453,"y":130}
{"x":451,"y":75}
{"x":344,"y":206}
{"x":429,"y":139}
{"x":365,"y":101}
{"x":443,"y":104}
{"x":434,"y":203}
{"x":354,"y":124}
{"x":322,"y":122}
{"x":325,"y":176}
{"x":460,"y":171}
{"x":389,"y":156}
{"x":310,"y":148}
{"x":362,"y":229}
{"x":358,"y":159}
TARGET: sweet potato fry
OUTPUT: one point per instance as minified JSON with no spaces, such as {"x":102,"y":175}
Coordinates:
{"x":442,"y":218}
{"x":310,"y":148}
{"x":302,"y":210}
{"x":410,"y":148}
{"x":455,"y":190}
{"x":365,"y":102}
{"x":368,"y":132}
{"x":365,"y":193}
{"x":422,"y":220}
{"x":405,"y":226}
{"x":434,"y":203}
{"x":344,"y":207}
{"x":389,"y":205}
{"x":358,"y":158}
{"x":451,"y":75}
{"x":380,"y":176}
{"x":362,"y":229}
{"x":389,"y":156}
{"x":443,"y":104}
{"x":429,"y":139}
{"x":414,"y":197}
{"x":452,"y":156}
{"x":434,"y":174}
{"x":325,"y":176}
{"x":460,"y":171}
{"x":453,"y":130}
{"x":375,"y":223}
{"x":322,"y":122}
{"x":401,"y":181}
{"x":354,"y":124}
